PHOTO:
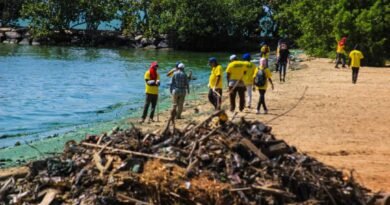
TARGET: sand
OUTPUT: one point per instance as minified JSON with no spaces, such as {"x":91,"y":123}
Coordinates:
{"x":323,"y":114}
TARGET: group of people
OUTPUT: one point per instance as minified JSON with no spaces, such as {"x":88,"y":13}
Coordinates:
{"x":355,"y":57}
{"x":242,"y":76}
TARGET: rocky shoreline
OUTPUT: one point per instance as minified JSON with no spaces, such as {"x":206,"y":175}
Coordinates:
{"x":78,"y":37}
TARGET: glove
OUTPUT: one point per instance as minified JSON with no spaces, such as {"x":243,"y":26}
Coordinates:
{"x":151,"y":82}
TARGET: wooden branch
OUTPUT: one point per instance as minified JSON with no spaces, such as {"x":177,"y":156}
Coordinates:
{"x":247,"y":143}
{"x":129,"y":199}
{"x":49,"y":196}
{"x":204,"y":122}
{"x":127,"y":152}
{"x":274,"y":191}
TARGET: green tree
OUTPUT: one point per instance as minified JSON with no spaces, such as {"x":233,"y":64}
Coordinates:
{"x":9,"y":11}
{"x":94,"y":12}
{"x":47,"y":16}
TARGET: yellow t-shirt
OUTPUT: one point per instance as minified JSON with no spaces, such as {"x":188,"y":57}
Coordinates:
{"x":236,"y":69}
{"x":355,"y":56}
{"x":151,"y":89}
{"x":340,"y":49}
{"x":268,"y":75}
{"x":248,"y":78}
{"x":265,"y":52}
{"x":216,"y":71}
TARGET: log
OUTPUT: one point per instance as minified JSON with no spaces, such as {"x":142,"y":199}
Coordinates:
{"x":247,"y":143}
{"x":17,"y":172}
{"x":49,"y":196}
{"x":127,"y":151}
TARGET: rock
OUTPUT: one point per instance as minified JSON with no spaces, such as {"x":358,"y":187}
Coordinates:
{"x":150,"y":47}
{"x":25,"y":41}
{"x":138,"y":38}
{"x":5,"y":29}
{"x":163,"y":44}
{"x":13,"y":35}
{"x":144,"y":41}
{"x":35,"y":43}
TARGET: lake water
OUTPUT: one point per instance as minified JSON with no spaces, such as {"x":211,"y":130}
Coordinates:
{"x":48,"y":89}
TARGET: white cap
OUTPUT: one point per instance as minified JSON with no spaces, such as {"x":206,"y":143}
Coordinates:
{"x":233,"y":57}
{"x":181,"y":66}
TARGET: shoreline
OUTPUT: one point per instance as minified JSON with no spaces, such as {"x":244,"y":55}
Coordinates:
{"x":323,"y":123}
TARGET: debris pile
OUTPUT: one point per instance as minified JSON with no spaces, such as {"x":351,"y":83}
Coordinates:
{"x":214,"y":162}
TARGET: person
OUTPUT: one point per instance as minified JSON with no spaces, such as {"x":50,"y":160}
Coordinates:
{"x":235,"y":73}
{"x":354,"y":62}
{"x":261,"y":76}
{"x":340,"y":52}
{"x":215,"y":83}
{"x":264,"y":51}
{"x":248,"y":80}
{"x":277,"y":55}
{"x":179,"y":87}
{"x":284,"y":54}
{"x":172,"y":71}
{"x":152,"y":82}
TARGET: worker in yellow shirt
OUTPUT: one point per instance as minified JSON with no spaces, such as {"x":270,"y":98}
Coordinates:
{"x":152,"y":82}
{"x":261,"y":76}
{"x":235,"y":73}
{"x":215,"y":83}
{"x":354,"y":62}
{"x":340,"y":52}
{"x":264,"y":51}
{"x":248,"y":78}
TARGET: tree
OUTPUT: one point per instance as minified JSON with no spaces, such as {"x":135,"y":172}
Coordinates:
{"x":9,"y":11}
{"x":47,"y":16}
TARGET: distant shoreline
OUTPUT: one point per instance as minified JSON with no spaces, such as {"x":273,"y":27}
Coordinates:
{"x":80,"y":37}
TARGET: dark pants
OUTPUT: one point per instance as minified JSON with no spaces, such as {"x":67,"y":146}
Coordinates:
{"x":233,"y":93}
{"x":261,"y":100}
{"x":150,"y":99}
{"x":282,"y":70}
{"x":340,"y":57}
{"x":215,"y":99}
{"x":355,"y":73}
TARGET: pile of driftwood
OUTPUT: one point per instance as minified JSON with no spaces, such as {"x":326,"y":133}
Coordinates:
{"x":214,"y":162}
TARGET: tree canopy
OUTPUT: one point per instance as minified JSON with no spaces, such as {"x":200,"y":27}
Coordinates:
{"x":314,"y":26}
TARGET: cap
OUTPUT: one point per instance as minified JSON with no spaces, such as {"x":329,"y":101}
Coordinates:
{"x":177,"y":64}
{"x":246,"y":56}
{"x":212,"y":60}
{"x":180,"y":66}
{"x":233,"y":57}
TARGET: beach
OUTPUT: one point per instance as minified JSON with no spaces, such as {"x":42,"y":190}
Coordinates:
{"x":323,"y":114}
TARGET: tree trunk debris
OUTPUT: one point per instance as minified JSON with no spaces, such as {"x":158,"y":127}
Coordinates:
{"x":214,"y":162}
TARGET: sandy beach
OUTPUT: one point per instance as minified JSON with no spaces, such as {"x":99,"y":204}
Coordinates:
{"x":323,"y":114}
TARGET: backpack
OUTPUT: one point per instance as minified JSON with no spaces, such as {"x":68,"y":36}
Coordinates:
{"x":260,"y":78}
